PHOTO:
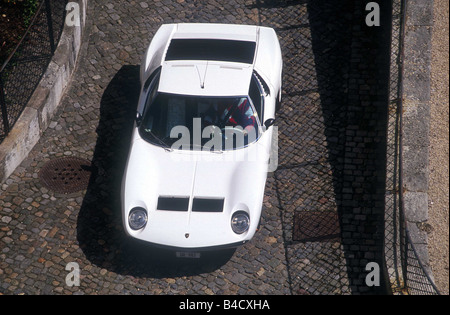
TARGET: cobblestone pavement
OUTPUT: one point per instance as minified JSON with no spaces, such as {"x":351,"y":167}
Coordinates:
{"x":322,"y":164}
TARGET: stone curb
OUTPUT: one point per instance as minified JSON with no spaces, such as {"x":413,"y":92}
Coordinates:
{"x":416,"y":122}
{"x":45,"y":100}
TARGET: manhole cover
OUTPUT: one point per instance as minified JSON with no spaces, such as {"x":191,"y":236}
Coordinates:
{"x":316,"y":226}
{"x":66,"y":175}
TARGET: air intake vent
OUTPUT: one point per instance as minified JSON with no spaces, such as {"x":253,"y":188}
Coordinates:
{"x":207,"y":205}
{"x":173,"y":203}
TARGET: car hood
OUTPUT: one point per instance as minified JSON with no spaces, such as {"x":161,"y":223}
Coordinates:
{"x":236,"y":177}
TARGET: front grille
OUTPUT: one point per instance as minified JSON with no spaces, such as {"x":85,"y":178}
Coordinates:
{"x":173,"y":203}
{"x":207,"y":205}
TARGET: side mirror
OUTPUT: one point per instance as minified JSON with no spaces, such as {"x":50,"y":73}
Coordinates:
{"x":138,"y":119}
{"x":269,"y":123}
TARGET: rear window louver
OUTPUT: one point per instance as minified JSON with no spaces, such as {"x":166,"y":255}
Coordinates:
{"x":211,"y":49}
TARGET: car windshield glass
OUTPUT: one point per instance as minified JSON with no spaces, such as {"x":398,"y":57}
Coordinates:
{"x":199,"y":123}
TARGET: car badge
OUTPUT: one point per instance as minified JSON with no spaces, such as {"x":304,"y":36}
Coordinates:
{"x":186,"y":235}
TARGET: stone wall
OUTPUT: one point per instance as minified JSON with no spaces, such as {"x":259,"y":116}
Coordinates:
{"x":45,"y":100}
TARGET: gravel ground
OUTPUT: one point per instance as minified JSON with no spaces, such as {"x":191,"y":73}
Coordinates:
{"x":42,"y":231}
{"x":439,"y":150}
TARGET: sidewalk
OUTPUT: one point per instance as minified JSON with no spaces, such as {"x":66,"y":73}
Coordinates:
{"x":439,"y":148}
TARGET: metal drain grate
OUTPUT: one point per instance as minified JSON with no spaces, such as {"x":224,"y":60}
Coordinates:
{"x":318,"y":226}
{"x":66,"y":175}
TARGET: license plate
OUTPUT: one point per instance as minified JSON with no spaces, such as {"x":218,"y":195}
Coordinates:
{"x":194,"y":255}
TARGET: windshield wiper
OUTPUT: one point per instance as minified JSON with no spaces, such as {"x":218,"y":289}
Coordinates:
{"x":161,"y":142}
{"x":208,"y":149}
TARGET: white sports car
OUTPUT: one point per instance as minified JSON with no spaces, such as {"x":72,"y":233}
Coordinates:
{"x":199,"y":156}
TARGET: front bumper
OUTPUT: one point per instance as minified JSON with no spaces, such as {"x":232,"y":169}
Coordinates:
{"x":195,"y":249}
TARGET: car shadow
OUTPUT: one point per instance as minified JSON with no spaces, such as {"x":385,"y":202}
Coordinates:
{"x":330,"y":181}
{"x":352,"y":69}
{"x":99,"y":228}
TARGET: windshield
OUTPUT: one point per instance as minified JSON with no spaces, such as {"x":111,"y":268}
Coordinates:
{"x":199,"y":123}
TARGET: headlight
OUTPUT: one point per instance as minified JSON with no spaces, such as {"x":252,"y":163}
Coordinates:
{"x":240,"y":222}
{"x":137,"y":218}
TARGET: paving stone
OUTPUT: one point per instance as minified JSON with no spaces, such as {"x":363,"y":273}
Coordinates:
{"x":329,"y":111}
